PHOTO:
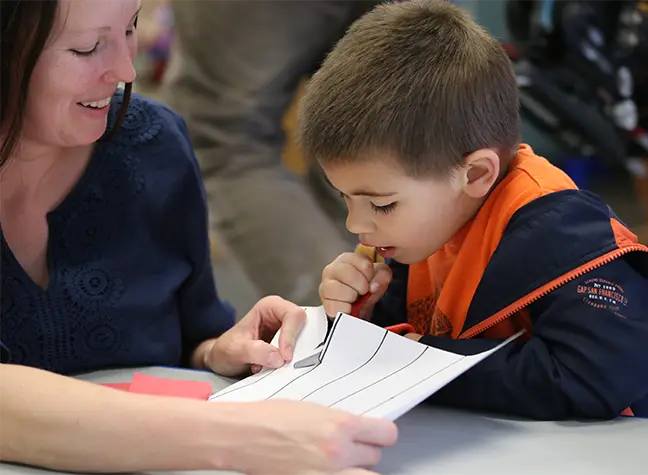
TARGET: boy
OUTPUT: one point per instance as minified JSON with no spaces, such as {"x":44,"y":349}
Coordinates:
{"x":414,"y":119}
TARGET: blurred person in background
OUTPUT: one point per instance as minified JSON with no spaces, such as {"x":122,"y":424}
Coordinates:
{"x":234,"y":69}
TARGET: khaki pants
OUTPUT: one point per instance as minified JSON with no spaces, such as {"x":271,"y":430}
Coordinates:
{"x":233,"y":72}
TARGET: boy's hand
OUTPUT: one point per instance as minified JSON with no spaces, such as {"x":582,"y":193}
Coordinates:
{"x":349,"y":277}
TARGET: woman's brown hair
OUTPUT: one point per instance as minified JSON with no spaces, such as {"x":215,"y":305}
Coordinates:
{"x":26,"y":27}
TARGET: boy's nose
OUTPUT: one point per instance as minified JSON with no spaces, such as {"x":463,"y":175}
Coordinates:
{"x":358,"y":225}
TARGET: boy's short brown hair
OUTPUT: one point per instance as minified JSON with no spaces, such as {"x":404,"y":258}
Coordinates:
{"x":419,"y":80}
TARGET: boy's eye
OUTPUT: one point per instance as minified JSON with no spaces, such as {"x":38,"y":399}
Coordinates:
{"x":384,"y":209}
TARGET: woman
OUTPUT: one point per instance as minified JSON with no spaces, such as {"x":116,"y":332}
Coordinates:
{"x":105,"y":263}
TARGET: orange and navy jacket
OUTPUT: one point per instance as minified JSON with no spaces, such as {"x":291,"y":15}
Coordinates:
{"x":544,"y":256}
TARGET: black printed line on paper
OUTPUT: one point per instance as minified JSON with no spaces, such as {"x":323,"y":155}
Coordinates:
{"x":413,"y":386}
{"x":350,"y":372}
{"x":382,"y":379}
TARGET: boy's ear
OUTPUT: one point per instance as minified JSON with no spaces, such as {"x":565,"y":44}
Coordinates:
{"x":480,"y":172}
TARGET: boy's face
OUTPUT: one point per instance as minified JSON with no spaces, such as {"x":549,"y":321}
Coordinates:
{"x":405,"y":218}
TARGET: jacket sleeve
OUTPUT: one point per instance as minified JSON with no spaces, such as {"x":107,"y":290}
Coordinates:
{"x":391,"y":309}
{"x":587,"y":358}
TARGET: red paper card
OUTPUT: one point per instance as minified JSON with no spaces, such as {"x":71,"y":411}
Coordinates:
{"x":120,"y":386}
{"x":144,"y":384}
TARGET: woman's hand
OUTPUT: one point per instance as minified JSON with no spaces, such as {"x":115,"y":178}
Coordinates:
{"x":246,"y":346}
{"x":301,"y":438}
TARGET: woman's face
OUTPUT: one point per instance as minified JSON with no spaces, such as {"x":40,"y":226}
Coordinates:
{"x":89,"y":52}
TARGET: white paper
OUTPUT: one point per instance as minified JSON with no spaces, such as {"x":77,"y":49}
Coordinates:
{"x":313,"y":333}
{"x":364,"y":369}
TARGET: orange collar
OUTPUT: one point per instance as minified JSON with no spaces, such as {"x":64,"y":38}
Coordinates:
{"x":441,"y":288}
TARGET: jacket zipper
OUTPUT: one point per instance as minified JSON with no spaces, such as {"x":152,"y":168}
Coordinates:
{"x":548,"y":288}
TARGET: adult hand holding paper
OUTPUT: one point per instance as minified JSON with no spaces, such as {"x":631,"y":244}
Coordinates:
{"x":247,"y":344}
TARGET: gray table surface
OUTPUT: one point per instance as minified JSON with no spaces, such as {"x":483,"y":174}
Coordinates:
{"x":439,"y":441}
